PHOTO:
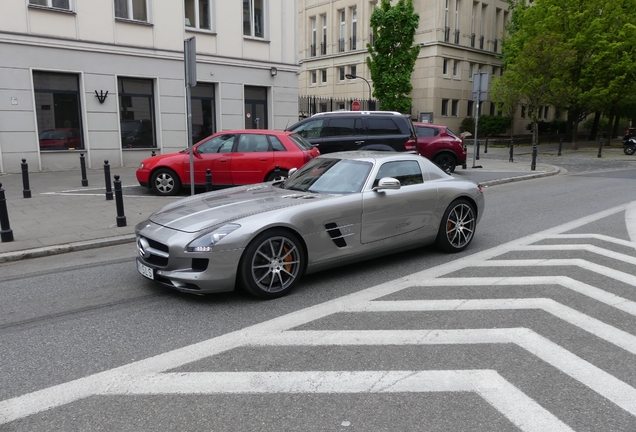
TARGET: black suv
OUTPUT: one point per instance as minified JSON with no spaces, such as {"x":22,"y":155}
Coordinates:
{"x":358,"y":130}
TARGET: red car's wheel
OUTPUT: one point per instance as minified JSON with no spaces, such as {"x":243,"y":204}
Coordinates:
{"x":165,"y":182}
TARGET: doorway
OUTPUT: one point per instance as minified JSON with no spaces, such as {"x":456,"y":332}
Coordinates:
{"x":256,"y":107}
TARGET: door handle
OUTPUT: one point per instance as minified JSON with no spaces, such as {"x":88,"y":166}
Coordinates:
{"x":359,"y":142}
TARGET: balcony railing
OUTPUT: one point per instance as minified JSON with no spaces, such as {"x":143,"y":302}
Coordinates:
{"x":341,"y":45}
{"x":472,"y":40}
{"x":323,"y":48}
{"x":481,"y":42}
{"x":447,"y":34}
{"x":312,"y":50}
{"x":352,"y":43}
{"x":457,"y":36}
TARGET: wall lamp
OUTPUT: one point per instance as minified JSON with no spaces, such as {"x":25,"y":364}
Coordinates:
{"x":273,"y":71}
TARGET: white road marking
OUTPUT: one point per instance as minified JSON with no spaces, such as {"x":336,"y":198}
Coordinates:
{"x":582,"y":247}
{"x":41,"y":400}
{"x":630,"y":222}
{"x":595,"y":236}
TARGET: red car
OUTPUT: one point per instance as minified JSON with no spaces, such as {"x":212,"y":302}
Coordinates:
{"x":235,"y":158}
{"x":440,"y":145}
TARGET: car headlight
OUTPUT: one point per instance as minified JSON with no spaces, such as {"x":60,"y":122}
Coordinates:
{"x":206,"y":242}
{"x":141,"y":166}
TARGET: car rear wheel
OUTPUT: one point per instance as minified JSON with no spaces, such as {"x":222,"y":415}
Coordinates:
{"x":165,"y":182}
{"x":446,"y":162}
{"x":457,"y":228}
{"x":629,"y":150}
{"x":276,"y":174}
{"x":272,"y":264}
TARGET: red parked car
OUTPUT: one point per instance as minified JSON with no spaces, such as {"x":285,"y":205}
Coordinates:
{"x":440,"y":145}
{"x":235,"y":158}
{"x":60,"y":138}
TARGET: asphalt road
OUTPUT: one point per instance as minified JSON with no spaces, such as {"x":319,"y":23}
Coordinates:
{"x":528,"y":329}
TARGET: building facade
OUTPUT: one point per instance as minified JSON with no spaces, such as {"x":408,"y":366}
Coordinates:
{"x":457,"y":39}
{"x":105,"y":78}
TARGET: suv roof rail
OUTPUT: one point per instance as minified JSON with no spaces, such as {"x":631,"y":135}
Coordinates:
{"x":359,"y":112}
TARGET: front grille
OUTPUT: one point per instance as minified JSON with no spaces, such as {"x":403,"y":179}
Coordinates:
{"x":153,"y":252}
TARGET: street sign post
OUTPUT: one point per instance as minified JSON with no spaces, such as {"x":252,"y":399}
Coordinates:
{"x":190,"y":60}
{"x":480,"y":93}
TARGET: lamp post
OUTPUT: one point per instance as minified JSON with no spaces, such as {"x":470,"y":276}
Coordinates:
{"x":350,"y":76}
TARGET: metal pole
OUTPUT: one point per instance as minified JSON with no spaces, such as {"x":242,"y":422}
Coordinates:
{"x":109,"y":191}
{"x":83,"y":167}
{"x":600,"y":148}
{"x":533,"y":165}
{"x":560,"y":146}
{"x":208,"y":180}
{"x":6,"y":234}
{"x":478,"y":145}
{"x":486,"y":146}
{"x":26,"y":193}
{"x":512,"y":146}
{"x":119,"y":202}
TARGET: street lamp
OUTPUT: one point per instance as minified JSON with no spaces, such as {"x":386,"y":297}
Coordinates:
{"x":350,"y":76}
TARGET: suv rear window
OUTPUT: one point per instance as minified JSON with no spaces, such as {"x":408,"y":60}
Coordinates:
{"x":382,"y":126}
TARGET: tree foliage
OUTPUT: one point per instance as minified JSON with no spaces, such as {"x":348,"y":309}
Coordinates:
{"x":392,"y":57}
{"x":488,"y":125}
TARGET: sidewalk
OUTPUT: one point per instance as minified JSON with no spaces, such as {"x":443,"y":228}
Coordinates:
{"x":62,"y":216}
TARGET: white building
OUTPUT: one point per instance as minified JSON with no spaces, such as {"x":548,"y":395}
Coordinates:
{"x":106,"y":77}
{"x":457,"y":38}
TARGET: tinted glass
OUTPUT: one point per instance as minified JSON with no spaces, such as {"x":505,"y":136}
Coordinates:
{"x":310,"y":129}
{"x":426,"y":132}
{"x":301,"y":142}
{"x":407,"y":172}
{"x":380,"y":126}
{"x":218,"y":144}
{"x":253,"y":143}
{"x":276,"y":144}
{"x":340,"y":127}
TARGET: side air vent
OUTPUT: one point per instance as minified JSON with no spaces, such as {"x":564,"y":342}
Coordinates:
{"x":335,"y":234}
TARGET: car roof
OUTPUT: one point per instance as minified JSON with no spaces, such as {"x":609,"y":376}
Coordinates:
{"x":254,"y":131}
{"x":429,"y":124}
{"x":343,"y":112}
{"x":371,"y":155}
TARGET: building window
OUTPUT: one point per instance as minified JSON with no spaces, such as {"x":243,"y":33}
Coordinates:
{"x":136,"y":112}
{"x":314,"y":37}
{"x":343,"y":31}
{"x":352,"y":70}
{"x":455,"y":67}
{"x":313,"y":77}
{"x":354,"y":28}
{"x":341,"y":73}
{"x":136,"y":10}
{"x":57,"y":108}
{"x":203,"y":111}
{"x":495,"y":71}
{"x":197,"y":14}
{"x":323,"y":76}
{"x":323,"y":44}
{"x":471,"y":69}
{"x":253,"y":18}
{"x":454,"y":106}
{"x":444,"y":107}
{"x":445,"y":67}
{"x":57,"y":4}
{"x":469,"y":109}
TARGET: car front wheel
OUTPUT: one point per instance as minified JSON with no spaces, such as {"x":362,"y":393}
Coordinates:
{"x":446,"y":162}
{"x":457,"y":228}
{"x":272,"y":264}
{"x":165,"y":182}
{"x":276,"y":174}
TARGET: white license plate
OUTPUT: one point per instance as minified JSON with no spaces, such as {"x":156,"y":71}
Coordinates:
{"x":145,"y":270}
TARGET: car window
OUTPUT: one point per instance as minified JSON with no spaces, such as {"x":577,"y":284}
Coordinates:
{"x":382,"y":126}
{"x":276,"y":144}
{"x":342,"y":127}
{"x":301,"y":142}
{"x":218,"y":144}
{"x":451,"y":133}
{"x":331,"y":176}
{"x":252,"y":143}
{"x":427,"y":132}
{"x":407,"y":172}
{"x":310,"y":129}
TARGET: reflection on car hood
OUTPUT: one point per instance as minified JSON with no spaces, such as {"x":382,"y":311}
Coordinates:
{"x":206,"y":210}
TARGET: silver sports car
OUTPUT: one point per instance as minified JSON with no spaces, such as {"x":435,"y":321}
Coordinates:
{"x":336,"y":209}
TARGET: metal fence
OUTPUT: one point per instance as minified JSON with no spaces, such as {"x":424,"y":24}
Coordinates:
{"x":310,"y":105}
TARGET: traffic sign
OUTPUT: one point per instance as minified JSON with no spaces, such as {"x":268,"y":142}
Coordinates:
{"x":355,"y":106}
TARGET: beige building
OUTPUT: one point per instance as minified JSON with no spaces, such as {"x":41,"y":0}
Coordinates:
{"x":105,"y":78}
{"x":457,"y":38}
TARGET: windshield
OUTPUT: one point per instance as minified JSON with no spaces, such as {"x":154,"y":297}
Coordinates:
{"x":330,"y":176}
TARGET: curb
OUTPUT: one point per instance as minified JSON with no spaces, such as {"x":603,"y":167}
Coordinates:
{"x":64,"y":248}
{"x":556,"y":170}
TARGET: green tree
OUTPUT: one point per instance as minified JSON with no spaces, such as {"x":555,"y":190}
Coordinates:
{"x":505,"y":97}
{"x":392,"y":57}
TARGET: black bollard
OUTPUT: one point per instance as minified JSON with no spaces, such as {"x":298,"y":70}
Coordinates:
{"x":477,"y":154}
{"x":277,"y":173}
{"x":119,"y":201}
{"x":153,"y":153}
{"x":208,"y":180}
{"x":512,"y":149}
{"x":109,"y":190}
{"x":533,"y":165}
{"x":26,"y":193}
{"x":600,"y":148}
{"x":560,"y":146}
{"x":6,"y":234}
{"x":464,"y":165}
{"x":83,"y":167}
{"x":486,"y":146}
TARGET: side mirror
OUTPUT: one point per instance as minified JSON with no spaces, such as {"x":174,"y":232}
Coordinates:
{"x":291,"y":172}
{"x":387,"y":183}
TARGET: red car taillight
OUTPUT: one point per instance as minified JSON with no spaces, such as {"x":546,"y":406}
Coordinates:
{"x":411,"y":144}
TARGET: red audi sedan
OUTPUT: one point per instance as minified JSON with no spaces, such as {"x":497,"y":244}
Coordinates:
{"x":237,"y":157}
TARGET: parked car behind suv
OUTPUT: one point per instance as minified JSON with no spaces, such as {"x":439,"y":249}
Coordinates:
{"x":358,"y":130}
{"x":440,"y":145}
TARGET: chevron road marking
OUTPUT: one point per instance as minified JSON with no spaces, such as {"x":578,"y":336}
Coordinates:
{"x":602,"y":237}
{"x":582,"y":247}
{"x":619,"y":392}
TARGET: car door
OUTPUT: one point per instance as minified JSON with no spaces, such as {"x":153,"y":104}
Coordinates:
{"x":342,"y":133}
{"x":252,"y":160}
{"x":390,"y":213}
{"x":216,"y":154}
